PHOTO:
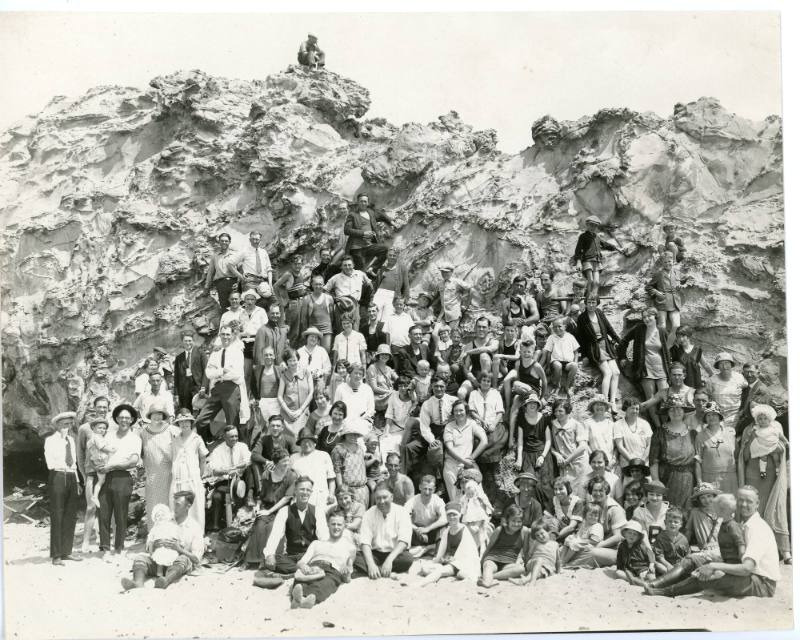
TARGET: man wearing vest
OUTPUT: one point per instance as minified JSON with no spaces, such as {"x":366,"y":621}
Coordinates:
{"x":300,"y":523}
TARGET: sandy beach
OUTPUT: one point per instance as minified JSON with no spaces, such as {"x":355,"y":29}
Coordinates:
{"x":85,"y":600}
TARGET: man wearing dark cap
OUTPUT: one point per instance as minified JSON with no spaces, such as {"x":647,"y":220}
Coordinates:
{"x":62,"y":487}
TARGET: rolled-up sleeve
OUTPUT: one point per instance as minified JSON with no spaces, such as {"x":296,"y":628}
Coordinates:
{"x":403,"y":525}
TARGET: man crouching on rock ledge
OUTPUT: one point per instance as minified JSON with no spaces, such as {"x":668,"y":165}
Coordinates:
{"x":189,"y":546}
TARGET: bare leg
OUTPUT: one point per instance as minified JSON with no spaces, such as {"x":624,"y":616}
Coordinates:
{"x":326,"y":342}
{"x":101,"y":478}
{"x":555,"y":373}
{"x":487,"y":575}
{"x":649,"y":388}
{"x":614,"y":386}
{"x":572,"y":370}
{"x":674,"y":323}
{"x":507,"y":383}
{"x":510,"y":571}
{"x":605,"y":384}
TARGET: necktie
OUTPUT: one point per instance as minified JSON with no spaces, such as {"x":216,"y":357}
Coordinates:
{"x":68,"y":459}
{"x":258,"y":262}
{"x":441,"y":411}
{"x":223,"y":359}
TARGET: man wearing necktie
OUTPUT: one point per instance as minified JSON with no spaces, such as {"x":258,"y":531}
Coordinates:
{"x":256,"y":267}
{"x":424,"y":453}
{"x":62,"y":486}
{"x":189,"y":366}
{"x":225,"y":372}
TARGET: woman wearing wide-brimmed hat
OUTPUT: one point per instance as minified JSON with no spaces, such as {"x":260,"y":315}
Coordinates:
{"x":726,"y":386}
{"x":189,"y":455}
{"x":771,"y":481}
{"x":672,"y":454}
{"x":314,"y":358}
{"x":716,"y":445}
{"x":157,"y":435}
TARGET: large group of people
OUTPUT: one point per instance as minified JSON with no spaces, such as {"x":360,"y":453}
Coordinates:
{"x":372,"y":430}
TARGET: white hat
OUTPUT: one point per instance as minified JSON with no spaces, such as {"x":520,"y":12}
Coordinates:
{"x":264,"y":289}
{"x":64,"y":415}
{"x":383,"y":350}
{"x":359,"y":426}
{"x":250,"y":292}
{"x":763,"y":409}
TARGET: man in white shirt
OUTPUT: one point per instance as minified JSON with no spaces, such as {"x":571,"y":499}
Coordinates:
{"x":759,"y":570}
{"x":255,"y":266}
{"x":385,"y":537}
{"x":225,"y":372}
{"x":349,"y":283}
{"x":227,"y":463}
{"x":316,"y":465}
{"x":398,"y":324}
{"x":155,"y":393}
{"x":252,"y":318}
{"x":299,"y":523}
{"x":424,"y":452}
{"x":190,"y":546}
{"x":62,"y":487}
{"x":427,"y":513}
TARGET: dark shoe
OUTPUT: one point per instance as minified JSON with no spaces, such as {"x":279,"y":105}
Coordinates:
{"x":58,"y":562}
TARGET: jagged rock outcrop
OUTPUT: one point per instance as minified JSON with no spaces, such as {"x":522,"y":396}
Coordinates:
{"x":109,"y":202}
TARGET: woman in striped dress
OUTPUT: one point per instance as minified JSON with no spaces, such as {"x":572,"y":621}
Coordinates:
{"x":157,"y":456}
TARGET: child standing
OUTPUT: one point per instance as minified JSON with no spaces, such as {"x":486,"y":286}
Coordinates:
{"x":422,"y":381}
{"x":372,"y":460}
{"x":577,"y":546}
{"x":670,"y":546}
{"x":99,"y":450}
{"x":476,"y":511}
{"x":635,"y":562}
{"x":541,"y":558}
{"x":768,"y":439}
{"x":501,"y":560}
{"x":338,"y":376}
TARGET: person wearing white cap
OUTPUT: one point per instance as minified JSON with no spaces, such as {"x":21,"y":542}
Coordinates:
{"x":62,"y":486}
{"x":451,"y":291}
{"x":726,"y":386}
{"x":309,"y":54}
{"x":313,"y":358}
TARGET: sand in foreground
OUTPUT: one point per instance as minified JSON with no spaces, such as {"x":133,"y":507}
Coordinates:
{"x":85,"y":600}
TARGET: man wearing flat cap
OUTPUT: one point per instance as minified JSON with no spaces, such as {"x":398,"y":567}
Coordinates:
{"x":309,"y":54}
{"x":62,"y":486}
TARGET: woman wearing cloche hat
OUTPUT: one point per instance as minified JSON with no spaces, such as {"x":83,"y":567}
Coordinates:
{"x":672,"y":454}
{"x":716,"y":445}
{"x":726,"y":386}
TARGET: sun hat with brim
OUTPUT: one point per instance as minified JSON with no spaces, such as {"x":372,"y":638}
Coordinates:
{"x":306,"y":434}
{"x":129,"y":408}
{"x":64,"y":415}
{"x":184,"y":415}
{"x":532,"y":397}
{"x":525,"y":476}
{"x":158,"y":406}
{"x":598,"y":399}
{"x":724,"y":357}
{"x":357,"y":426}
{"x":312,"y":331}
{"x":452,"y":507}
{"x":383,"y":350}
{"x":763,"y":409}
{"x":654,"y":486}
{"x":633,"y":525}
{"x":594,"y":220}
{"x":675,"y":401}
{"x":635,"y":463}
{"x":705,"y":489}
{"x":712,"y":407}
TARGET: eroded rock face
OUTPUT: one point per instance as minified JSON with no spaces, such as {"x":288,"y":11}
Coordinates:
{"x":109,"y":201}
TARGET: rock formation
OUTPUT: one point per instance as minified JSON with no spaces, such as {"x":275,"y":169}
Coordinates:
{"x":109,"y":201}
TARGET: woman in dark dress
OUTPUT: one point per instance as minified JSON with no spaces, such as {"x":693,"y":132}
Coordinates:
{"x":597,"y":339}
{"x":672,"y":455}
{"x":329,"y":436}
{"x":534,"y":446}
{"x":277,"y":490}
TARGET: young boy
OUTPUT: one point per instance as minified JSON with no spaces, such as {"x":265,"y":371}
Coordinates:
{"x":422,"y":381}
{"x":99,"y":450}
{"x":670,"y":546}
{"x":563,"y":352}
{"x":372,"y":461}
{"x":635,"y":561}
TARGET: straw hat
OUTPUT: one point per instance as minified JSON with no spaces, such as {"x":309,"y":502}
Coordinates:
{"x":724,"y":357}
{"x":525,"y":475}
{"x":158,"y":406}
{"x":264,"y":289}
{"x":183,"y":415}
{"x":598,"y":399}
{"x":64,"y":415}
{"x":312,"y":331}
{"x":712,"y":407}
{"x":383,"y":350}
{"x":675,"y":400}
{"x":705,"y":489}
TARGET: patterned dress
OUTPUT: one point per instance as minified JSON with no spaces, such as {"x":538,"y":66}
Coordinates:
{"x":186,"y":473}
{"x":350,"y":464}
{"x":675,"y":455}
{"x":717,"y":461}
{"x":157,"y":457}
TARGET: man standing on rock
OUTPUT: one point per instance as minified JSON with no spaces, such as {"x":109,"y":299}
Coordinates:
{"x":364,"y":237}
{"x":222,"y":270}
{"x":225,"y":372}
{"x":62,"y":487}
{"x":256,"y":267}
{"x":189,"y":368}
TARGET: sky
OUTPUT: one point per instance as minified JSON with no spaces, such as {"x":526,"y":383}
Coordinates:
{"x":497,"y":70}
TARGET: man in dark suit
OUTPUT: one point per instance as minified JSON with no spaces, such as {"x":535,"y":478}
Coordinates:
{"x":364,"y":237}
{"x":406,"y":358}
{"x":189,"y":368}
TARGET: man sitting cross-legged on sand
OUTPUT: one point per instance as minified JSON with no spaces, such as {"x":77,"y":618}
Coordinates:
{"x":427,"y":517}
{"x":189,"y":546}
{"x":384,"y":537}
{"x":300,"y":523}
